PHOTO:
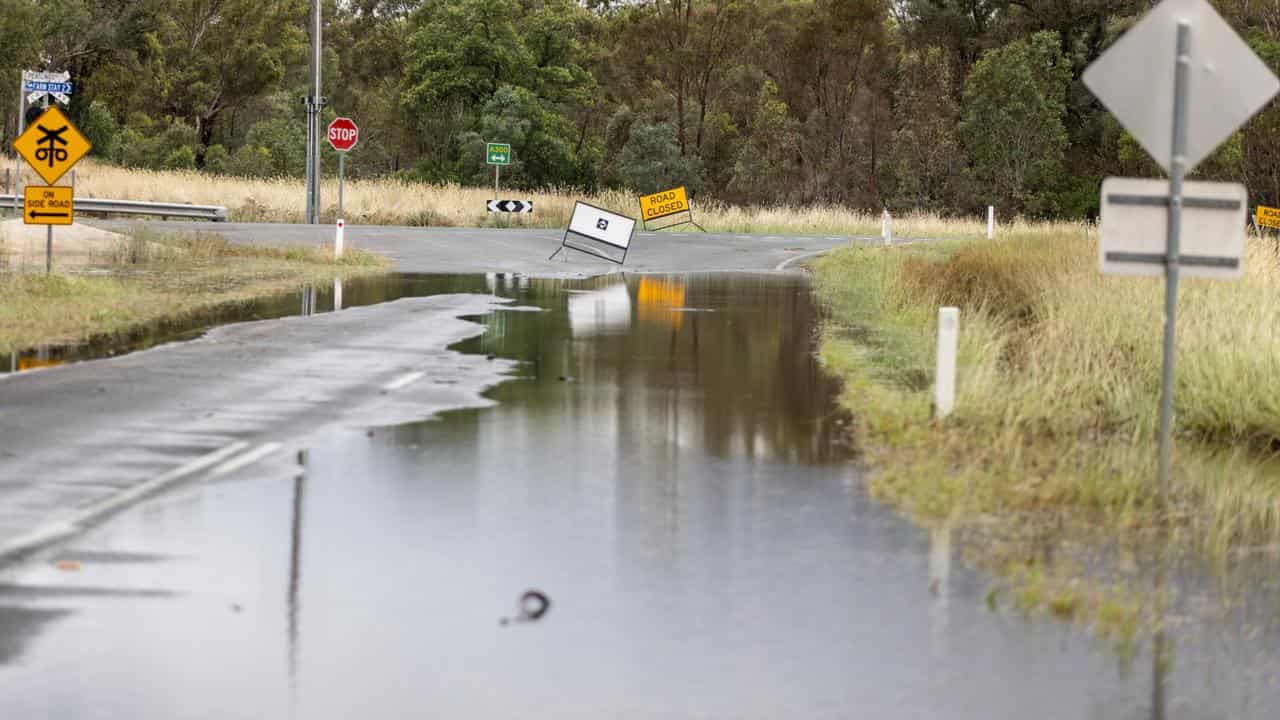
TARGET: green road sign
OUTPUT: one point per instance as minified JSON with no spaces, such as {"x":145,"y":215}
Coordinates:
{"x":498,"y":153}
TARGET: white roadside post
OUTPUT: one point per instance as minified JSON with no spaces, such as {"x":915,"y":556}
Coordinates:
{"x":886,"y":227}
{"x":1153,"y":102}
{"x":944,"y":383}
{"x":991,"y":222}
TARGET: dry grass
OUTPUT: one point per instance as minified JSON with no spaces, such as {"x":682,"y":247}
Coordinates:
{"x":150,"y":278}
{"x":395,"y":202}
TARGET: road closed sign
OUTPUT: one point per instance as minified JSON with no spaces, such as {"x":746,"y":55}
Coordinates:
{"x":663,"y":204}
{"x":1267,"y":217}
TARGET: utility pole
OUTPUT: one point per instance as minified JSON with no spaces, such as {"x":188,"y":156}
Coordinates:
{"x":314,"y":102}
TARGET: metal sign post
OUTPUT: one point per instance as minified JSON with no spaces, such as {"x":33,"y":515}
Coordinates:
{"x":343,"y":135}
{"x":1173,"y":248}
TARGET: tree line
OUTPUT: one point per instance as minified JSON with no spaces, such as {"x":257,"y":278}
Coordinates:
{"x":947,"y":105}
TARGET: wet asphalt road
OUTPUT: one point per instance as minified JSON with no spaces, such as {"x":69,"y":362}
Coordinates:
{"x":668,"y":464}
{"x":481,"y":250}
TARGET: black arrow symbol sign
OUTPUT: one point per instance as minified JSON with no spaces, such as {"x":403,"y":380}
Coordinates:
{"x":35,"y":214}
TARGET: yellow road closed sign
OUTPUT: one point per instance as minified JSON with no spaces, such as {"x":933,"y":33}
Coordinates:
{"x":1268,"y":217}
{"x":662,"y":204}
{"x":48,"y":205}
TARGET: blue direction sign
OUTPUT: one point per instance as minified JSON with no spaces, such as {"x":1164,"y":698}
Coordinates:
{"x":38,"y":84}
{"x":47,"y":87}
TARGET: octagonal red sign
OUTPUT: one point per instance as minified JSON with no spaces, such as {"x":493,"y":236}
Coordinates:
{"x":343,"y":134}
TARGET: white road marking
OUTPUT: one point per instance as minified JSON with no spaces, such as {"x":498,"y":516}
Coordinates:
{"x":52,"y":532}
{"x":787,"y":263}
{"x":245,"y":460}
{"x":402,"y":381}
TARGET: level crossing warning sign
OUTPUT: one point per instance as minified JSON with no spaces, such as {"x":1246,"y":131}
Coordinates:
{"x":52,"y":145}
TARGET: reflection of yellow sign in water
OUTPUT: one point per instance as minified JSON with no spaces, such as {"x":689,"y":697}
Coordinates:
{"x":658,"y":301}
{"x":51,"y":145}
{"x":51,"y":205}
{"x":660,"y":205}
{"x":32,"y":363}
{"x":1268,"y":217}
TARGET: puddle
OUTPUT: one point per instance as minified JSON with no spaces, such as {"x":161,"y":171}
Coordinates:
{"x":680,"y":487}
{"x":304,"y":301}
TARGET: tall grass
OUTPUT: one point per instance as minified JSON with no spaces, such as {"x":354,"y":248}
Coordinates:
{"x":397,"y":202}
{"x":1059,"y":379}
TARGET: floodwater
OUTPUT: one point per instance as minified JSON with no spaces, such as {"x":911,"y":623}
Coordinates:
{"x":670,"y":468}
{"x":307,"y":300}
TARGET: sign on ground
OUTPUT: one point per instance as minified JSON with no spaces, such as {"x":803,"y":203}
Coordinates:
{"x":1267,"y":217}
{"x":1135,"y":223}
{"x":52,"y":205}
{"x":52,"y":145}
{"x":510,"y":206}
{"x":598,"y":232}
{"x":1134,"y":78}
{"x":498,"y":153}
{"x":664,"y":204}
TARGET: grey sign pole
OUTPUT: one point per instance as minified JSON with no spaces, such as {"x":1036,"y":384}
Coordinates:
{"x":342,"y":171}
{"x":22,"y":127}
{"x":314,"y":105}
{"x":48,"y":250}
{"x":1177,"y":171}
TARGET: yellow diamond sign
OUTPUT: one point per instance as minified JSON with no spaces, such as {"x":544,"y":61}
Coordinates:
{"x":51,"y":145}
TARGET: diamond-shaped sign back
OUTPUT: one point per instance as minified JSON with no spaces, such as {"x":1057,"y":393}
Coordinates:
{"x":1134,"y":78}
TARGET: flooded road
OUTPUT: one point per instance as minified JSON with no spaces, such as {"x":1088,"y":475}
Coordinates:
{"x":668,"y":465}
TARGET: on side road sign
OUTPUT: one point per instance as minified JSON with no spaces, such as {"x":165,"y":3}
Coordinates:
{"x":52,"y":205}
{"x":52,"y":145}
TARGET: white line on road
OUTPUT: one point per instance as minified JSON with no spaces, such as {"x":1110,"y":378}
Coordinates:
{"x":787,"y":263}
{"x":52,"y":532}
{"x":402,"y":381}
{"x":245,"y":460}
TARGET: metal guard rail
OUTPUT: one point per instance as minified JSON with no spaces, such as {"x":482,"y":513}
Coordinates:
{"x":212,"y":213}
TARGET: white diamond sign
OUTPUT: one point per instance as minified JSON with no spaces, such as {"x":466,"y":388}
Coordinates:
{"x":1134,"y":78}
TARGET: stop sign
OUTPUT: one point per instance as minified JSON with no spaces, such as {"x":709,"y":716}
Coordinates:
{"x":343,"y":134}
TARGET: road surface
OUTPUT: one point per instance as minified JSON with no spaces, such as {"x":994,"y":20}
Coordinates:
{"x":470,"y":250}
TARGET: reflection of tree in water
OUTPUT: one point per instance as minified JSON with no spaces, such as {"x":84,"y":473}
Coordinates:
{"x":734,"y":354}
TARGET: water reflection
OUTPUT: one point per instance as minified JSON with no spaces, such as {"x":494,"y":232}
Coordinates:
{"x":307,"y":300}
{"x":720,"y":362}
{"x":599,"y":312}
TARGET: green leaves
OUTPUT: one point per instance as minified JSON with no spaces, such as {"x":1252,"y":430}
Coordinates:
{"x":1013,"y":123}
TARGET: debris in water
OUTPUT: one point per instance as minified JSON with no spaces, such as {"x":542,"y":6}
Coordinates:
{"x":67,"y":565}
{"x":533,"y":605}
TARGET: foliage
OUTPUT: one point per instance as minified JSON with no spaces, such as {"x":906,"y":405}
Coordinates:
{"x":1012,"y":127}
{"x":945,"y":105}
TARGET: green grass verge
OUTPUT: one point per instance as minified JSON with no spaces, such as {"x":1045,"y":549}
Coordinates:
{"x":147,"y":278}
{"x":1053,"y":438}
